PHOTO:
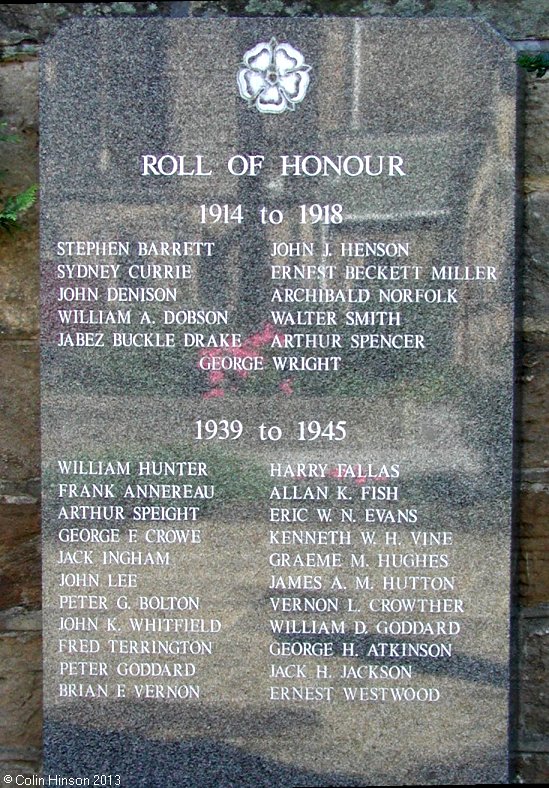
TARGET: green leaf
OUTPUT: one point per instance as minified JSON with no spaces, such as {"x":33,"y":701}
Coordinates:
{"x":538,"y":62}
{"x":16,"y":205}
{"x":7,"y":137}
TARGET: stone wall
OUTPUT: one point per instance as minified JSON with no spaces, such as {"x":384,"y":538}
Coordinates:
{"x":23,"y":28}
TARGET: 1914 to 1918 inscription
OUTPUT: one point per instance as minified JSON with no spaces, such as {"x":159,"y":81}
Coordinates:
{"x":277,"y":264}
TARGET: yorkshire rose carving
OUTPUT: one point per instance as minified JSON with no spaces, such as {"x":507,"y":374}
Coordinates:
{"x":273,"y":77}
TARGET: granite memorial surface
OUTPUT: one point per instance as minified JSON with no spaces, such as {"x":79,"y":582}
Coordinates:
{"x":277,"y":342}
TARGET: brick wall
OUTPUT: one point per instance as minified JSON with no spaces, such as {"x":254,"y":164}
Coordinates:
{"x":22,"y":29}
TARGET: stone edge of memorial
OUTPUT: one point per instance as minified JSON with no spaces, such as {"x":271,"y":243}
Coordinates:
{"x":19,"y":623}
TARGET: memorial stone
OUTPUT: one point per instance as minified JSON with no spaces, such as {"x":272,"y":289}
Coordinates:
{"x":277,"y":268}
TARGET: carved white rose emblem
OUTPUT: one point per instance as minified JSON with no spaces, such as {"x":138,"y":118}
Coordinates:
{"x":273,"y":77}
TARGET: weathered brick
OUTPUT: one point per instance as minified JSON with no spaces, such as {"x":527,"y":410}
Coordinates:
{"x":535,"y":275}
{"x":20,"y":619}
{"x":19,"y":282}
{"x":21,"y":696}
{"x":19,"y":402}
{"x":533,"y":697}
{"x":32,"y":23}
{"x":534,"y":544}
{"x":19,"y":760}
{"x":534,"y":406}
{"x":20,"y":570}
{"x":536,"y":133}
{"x":533,"y":767}
{"x":514,"y":18}
{"x":19,"y":274}
{"x":36,"y":22}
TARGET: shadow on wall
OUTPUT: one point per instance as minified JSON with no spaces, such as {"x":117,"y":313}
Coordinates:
{"x":206,"y":763}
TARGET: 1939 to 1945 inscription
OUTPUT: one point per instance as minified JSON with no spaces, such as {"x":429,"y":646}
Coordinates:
{"x":277,"y":270}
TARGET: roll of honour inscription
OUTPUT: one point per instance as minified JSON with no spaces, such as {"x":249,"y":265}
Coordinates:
{"x":277,"y":262}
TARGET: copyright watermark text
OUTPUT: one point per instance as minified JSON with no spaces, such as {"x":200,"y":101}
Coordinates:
{"x":57,"y":780}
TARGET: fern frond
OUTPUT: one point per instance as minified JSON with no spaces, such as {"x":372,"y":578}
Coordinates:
{"x":16,"y":205}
